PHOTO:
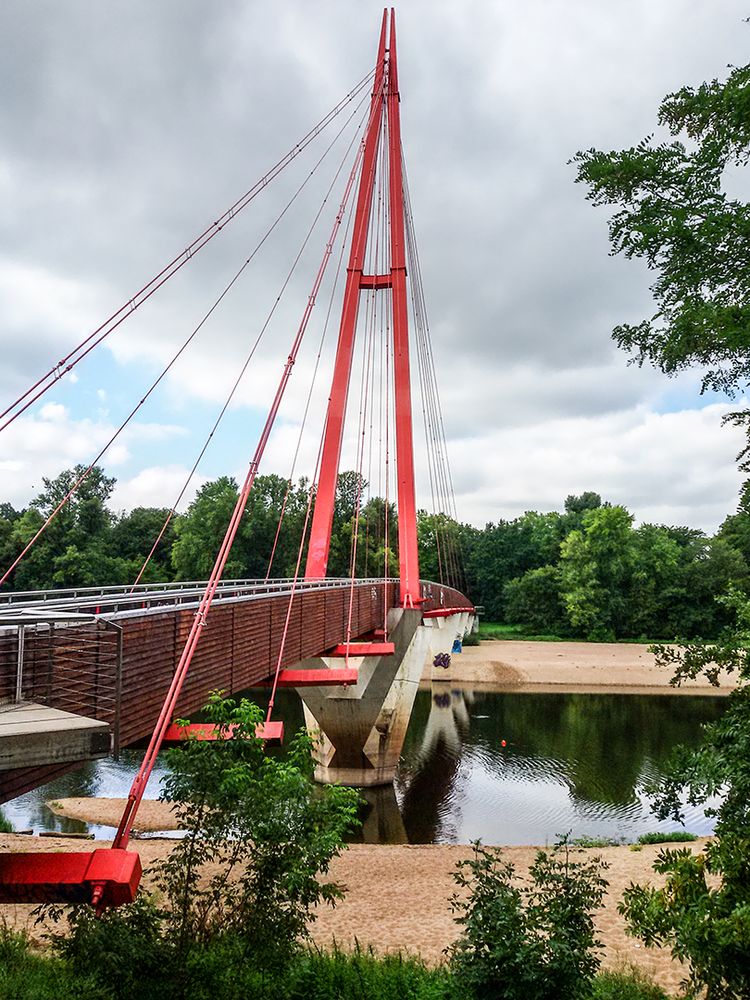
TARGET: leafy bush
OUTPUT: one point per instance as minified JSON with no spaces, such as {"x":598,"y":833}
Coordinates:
{"x":267,"y":831}
{"x":5,"y":824}
{"x":676,"y":837}
{"x":630,"y":985}
{"x":703,"y":911}
{"x":526,"y":940}
{"x":705,"y":924}
{"x":243,"y":882}
{"x":124,"y":949}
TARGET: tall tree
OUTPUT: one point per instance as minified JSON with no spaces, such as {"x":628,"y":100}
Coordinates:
{"x":672,"y":209}
{"x":200,"y":532}
{"x":596,"y":567}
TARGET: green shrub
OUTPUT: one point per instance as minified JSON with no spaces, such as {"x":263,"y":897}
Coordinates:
{"x":243,"y":881}
{"x":26,"y":975}
{"x":676,"y":837}
{"x":631,"y":985}
{"x":124,"y":950}
{"x":5,"y":824}
{"x":530,"y":938}
{"x":702,"y":913}
{"x":263,"y":825}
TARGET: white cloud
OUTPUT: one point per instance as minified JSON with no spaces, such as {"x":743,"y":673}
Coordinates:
{"x":40,"y":446}
{"x":155,"y":486}
{"x":521,"y":292}
{"x":669,"y":468}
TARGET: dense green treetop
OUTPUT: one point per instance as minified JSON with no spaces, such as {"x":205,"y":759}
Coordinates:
{"x":672,"y":208}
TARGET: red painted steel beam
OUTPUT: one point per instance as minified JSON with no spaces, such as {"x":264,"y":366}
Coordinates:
{"x":318,"y":678}
{"x":375,"y":281}
{"x":269,"y":732}
{"x":363,"y":649}
{"x":407,"y":507}
{"x":320,"y":533}
{"x":107,"y":877}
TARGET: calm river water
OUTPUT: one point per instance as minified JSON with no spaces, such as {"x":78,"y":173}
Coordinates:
{"x":573,"y":762}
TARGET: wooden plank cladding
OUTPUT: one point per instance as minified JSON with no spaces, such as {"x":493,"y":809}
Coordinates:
{"x":239,"y":645}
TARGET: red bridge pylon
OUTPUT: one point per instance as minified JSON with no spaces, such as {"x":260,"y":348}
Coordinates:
{"x":384,"y":126}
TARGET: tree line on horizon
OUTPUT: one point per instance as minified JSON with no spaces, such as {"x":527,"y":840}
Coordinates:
{"x":583,"y":572}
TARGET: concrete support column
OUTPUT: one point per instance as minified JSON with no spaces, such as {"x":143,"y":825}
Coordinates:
{"x":360,"y":730}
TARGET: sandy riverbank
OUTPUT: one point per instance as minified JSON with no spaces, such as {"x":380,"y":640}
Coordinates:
{"x":593,"y":667}
{"x":397,"y":898}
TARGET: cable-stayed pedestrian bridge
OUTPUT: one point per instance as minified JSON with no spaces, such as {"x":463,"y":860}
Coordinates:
{"x":137,"y":659}
{"x":110,"y":653}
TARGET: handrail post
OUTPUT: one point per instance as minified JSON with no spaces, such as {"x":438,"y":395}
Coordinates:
{"x":118,"y":692}
{"x":19,"y":663}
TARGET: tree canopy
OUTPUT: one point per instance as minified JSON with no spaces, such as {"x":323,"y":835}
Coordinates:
{"x":584,"y":571}
{"x":672,"y":208}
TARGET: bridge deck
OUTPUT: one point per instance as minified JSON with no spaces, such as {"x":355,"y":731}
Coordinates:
{"x":239,"y":647}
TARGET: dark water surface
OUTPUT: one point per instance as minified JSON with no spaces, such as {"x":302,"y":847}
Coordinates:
{"x":571,"y":762}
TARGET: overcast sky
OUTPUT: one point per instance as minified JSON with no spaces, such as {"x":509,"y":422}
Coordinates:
{"x":126,"y":127}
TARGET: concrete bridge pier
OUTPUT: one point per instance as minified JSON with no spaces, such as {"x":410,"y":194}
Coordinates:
{"x":360,"y":730}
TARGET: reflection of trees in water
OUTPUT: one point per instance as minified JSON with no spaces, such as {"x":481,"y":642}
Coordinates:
{"x":429,"y":764}
{"x":605,"y":742}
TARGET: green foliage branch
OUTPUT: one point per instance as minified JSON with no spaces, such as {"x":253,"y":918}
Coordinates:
{"x":703,"y":911}
{"x":244,"y":880}
{"x":532,"y":938}
{"x":672,"y":209}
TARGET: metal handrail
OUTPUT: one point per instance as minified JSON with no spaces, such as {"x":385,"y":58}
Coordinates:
{"x":111,"y":600}
{"x":106,"y":601}
{"x":61,"y":593}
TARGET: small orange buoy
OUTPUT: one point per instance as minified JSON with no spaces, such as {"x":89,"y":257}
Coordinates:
{"x":503,"y":743}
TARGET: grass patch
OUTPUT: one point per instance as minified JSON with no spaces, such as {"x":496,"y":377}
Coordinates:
{"x":597,"y":841}
{"x":497,"y":630}
{"x":29,"y":975}
{"x":629,"y":985}
{"x":5,"y":824}
{"x":677,"y":837}
{"x":500,"y":630}
{"x":218,"y":974}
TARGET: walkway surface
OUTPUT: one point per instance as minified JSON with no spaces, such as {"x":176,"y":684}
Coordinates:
{"x":34,"y":735}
